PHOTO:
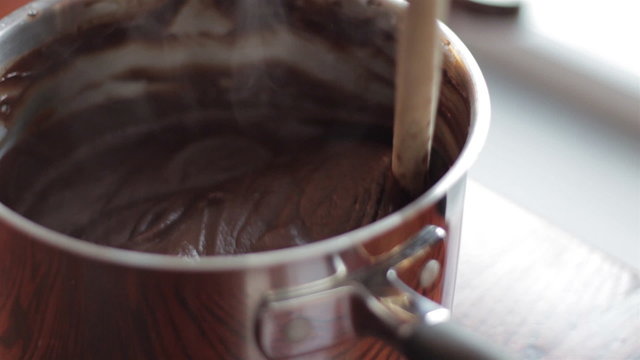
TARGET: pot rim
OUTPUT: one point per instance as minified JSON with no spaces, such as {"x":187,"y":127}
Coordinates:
{"x":478,"y":130}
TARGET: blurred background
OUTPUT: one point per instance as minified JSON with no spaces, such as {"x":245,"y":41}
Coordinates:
{"x":564,"y":78}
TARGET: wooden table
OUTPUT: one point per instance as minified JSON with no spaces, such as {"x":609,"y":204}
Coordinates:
{"x":6,"y":6}
{"x":539,"y":292}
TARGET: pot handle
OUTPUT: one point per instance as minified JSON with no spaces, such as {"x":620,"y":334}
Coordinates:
{"x":432,"y":335}
{"x":293,"y":322}
{"x":419,"y":327}
{"x":446,"y":340}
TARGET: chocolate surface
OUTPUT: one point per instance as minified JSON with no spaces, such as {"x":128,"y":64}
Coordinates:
{"x":197,"y":128}
{"x":198,"y":188}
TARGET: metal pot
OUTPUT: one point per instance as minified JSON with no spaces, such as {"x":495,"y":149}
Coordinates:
{"x":358,"y":295}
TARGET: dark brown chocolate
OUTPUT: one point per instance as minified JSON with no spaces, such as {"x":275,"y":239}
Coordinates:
{"x":195,"y":189}
{"x":213,"y":158}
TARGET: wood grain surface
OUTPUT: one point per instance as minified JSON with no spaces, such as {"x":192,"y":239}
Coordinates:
{"x":7,"y":6}
{"x":539,"y":292}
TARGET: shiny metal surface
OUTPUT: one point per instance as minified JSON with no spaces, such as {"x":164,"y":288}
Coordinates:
{"x":123,"y":304}
{"x":377,"y":290}
{"x":20,"y":32}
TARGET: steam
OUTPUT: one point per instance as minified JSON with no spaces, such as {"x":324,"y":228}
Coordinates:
{"x":243,"y":41}
{"x":253,"y":87}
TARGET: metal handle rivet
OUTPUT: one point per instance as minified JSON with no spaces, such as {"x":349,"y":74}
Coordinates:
{"x":298,"y":329}
{"x":430,"y":273}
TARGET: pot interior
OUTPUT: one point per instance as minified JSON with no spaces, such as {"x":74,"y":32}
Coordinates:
{"x":102,"y":70}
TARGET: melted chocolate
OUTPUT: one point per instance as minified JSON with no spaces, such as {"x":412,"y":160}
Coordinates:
{"x":202,"y":188}
{"x":211,"y":157}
